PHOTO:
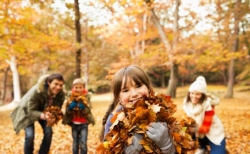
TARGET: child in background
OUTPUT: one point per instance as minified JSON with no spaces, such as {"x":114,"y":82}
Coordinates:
{"x":200,"y":107}
{"x":129,"y":85}
{"x":78,"y":115}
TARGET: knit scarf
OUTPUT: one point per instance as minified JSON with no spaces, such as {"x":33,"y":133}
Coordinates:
{"x":194,"y":109}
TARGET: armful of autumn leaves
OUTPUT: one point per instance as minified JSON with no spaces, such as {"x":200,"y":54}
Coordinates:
{"x":55,"y":114}
{"x":155,"y":108}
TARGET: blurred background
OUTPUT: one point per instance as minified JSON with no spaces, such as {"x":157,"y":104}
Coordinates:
{"x":174,"y":41}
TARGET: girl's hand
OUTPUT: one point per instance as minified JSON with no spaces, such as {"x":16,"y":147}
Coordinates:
{"x":200,"y":135}
{"x":192,"y":129}
{"x":135,"y":147}
{"x":158,"y":132}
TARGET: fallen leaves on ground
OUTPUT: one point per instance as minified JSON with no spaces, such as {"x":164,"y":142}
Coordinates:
{"x":234,"y":114}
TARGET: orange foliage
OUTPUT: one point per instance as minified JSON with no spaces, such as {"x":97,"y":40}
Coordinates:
{"x":55,"y":115}
{"x":234,"y":114}
{"x":155,"y":108}
{"x":78,"y":97}
{"x":116,"y":66}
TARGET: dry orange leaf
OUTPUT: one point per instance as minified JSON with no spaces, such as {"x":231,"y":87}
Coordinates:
{"x":177,"y":136}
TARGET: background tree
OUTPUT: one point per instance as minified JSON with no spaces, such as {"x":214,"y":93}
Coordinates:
{"x":78,"y":38}
{"x":199,"y":39}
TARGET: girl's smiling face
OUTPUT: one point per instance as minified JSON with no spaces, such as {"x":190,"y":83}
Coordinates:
{"x":195,"y":97}
{"x":132,"y":92}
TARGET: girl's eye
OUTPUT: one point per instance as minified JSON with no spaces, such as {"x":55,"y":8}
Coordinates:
{"x":124,"y":90}
{"x":138,"y":85}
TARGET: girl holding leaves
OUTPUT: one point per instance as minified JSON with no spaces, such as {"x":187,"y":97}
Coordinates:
{"x":130,"y":87}
{"x":199,"y":106}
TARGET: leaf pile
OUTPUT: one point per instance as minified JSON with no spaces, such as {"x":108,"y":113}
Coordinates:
{"x":135,"y":119}
{"x":55,"y":114}
{"x":78,"y":97}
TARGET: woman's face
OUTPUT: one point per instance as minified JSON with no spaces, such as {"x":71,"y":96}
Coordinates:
{"x":195,"y":96}
{"x":132,"y":92}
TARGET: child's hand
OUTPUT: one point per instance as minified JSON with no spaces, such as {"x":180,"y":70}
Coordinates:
{"x":81,"y":106}
{"x":192,"y":129}
{"x":158,"y":132}
{"x":135,"y":147}
{"x":72,"y":105}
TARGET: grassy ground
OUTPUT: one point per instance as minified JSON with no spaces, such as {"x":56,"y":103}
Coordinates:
{"x":234,"y":114}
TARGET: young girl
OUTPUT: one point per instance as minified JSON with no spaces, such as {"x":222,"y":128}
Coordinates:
{"x":130,"y":85}
{"x":199,"y":106}
{"x":78,"y":115}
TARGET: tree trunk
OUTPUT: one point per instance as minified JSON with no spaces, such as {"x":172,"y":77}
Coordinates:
{"x":3,"y":95}
{"x":86,"y":68}
{"x":244,"y":23}
{"x":173,"y":81}
{"x":16,"y":84}
{"x":230,"y":84}
{"x":144,"y":29}
{"x":78,"y":39}
{"x":224,"y":77}
{"x":160,"y":31}
{"x":163,"y":85}
{"x":12,"y":63}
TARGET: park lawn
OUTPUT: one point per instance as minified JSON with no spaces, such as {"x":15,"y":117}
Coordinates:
{"x":234,"y":114}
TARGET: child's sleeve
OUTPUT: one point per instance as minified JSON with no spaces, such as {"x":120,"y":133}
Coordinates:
{"x":90,"y":117}
{"x":108,"y":125}
{"x":207,"y":122}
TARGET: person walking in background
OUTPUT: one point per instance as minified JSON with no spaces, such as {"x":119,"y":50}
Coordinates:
{"x":199,"y":106}
{"x":47,"y":92}
{"x":130,"y":85}
{"x":78,"y":115}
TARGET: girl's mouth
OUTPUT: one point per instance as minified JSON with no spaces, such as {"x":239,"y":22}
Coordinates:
{"x":135,"y":100}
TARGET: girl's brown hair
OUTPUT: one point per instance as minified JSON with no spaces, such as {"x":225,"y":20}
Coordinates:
{"x":133,"y":72}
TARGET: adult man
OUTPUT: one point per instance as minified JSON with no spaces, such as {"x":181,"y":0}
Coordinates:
{"x":48,"y":91}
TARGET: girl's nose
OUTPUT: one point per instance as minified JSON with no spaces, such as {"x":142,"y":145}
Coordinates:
{"x":133,"y":92}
